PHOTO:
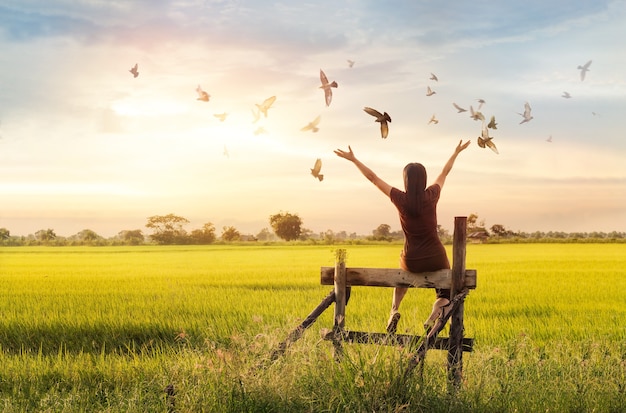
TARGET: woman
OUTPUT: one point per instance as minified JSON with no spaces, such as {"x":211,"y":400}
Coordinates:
{"x":417,"y":207}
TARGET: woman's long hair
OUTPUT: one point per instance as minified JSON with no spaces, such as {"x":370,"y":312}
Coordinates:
{"x":414,"y":186}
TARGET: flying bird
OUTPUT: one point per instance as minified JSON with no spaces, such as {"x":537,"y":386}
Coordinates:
{"x":492,"y":123}
{"x":476,"y":115}
{"x":221,"y":116}
{"x":328,"y":93}
{"x":312,"y":126}
{"x":315,"y":171}
{"x":134,"y":71}
{"x":263,"y":107}
{"x":434,"y":77}
{"x":226,"y":154}
{"x":549,"y":139}
{"x":350,"y":63}
{"x":458,"y":108}
{"x":433,"y":119}
{"x":566,"y":95}
{"x":260,"y":130}
{"x":202,"y":95}
{"x":481,"y":102}
{"x":484,"y":140}
{"x":429,"y":91}
{"x":382,"y":118}
{"x":584,"y":69}
{"x":526,"y":114}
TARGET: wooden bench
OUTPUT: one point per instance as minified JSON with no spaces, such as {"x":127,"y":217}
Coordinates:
{"x":458,"y":279}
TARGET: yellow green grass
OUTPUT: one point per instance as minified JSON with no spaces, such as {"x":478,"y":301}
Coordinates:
{"x":106,"y":329}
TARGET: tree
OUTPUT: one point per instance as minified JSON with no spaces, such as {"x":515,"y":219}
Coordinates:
{"x":45,"y":235}
{"x":131,"y":237}
{"x":287,"y":226}
{"x":230,"y":234}
{"x":205,"y":235}
{"x":87,"y":235}
{"x":382,"y":233}
{"x":499,"y":230}
{"x":168,"y":229}
{"x":265,"y":235}
{"x":4,"y":233}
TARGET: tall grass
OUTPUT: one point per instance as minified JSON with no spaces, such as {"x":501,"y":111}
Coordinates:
{"x":106,"y":329}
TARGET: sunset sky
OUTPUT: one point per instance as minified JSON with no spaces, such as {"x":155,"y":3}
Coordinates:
{"x":85,"y":145}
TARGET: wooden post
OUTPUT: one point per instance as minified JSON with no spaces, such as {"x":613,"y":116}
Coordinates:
{"x":340,"y":301}
{"x":455,"y":351}
{"x":306,"y":323}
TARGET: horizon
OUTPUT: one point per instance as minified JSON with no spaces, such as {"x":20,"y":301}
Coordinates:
{"x":86,"y":145}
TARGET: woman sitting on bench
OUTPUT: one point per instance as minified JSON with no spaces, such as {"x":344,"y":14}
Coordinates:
{"x":417,"y":208}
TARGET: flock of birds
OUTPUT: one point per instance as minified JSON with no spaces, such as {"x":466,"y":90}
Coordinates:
{"x":483,"y":141}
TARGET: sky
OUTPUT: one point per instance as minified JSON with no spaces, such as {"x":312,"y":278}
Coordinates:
{"x":85,"y":145}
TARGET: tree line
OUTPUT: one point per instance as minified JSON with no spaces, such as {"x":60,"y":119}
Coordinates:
{"x":170,"y":230}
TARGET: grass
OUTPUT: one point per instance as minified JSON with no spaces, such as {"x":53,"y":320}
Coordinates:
{"x":106,"y":329}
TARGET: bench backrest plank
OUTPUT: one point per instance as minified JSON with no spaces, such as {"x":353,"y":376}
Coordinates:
{"x":395,"y":277}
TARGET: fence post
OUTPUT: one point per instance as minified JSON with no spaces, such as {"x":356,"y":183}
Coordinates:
{"x":340,"y":301}
{"x":455,"y":350}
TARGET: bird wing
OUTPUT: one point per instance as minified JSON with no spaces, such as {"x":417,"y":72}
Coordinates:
{"x":492,"y":146}
{"x":384,"y":129}
{"x":323,"y":78}
{"x":317,"y":167}
{"x":460,"y":109}
{"x":328,"y":95}
{"x":268,"y":102}
{"x":373,"y":112}
{"x":492,"y":123}
{"x":434,"y":77}
{"x":586,"y":65}
{"x":526,"y":110}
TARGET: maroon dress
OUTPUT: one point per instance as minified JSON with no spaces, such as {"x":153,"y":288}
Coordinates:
{"x":423,"y":251}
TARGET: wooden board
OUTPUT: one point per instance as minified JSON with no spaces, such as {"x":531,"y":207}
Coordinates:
{"x":395,"y":277}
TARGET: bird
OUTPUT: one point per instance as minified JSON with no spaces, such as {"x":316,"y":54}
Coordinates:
{"x":584,"y":69}
{"x":315,"y":171}
{"x":492,"y":123}
{"x":382,"y":118}
{"x":458,"y":108}
{"x":433,"y":119}
{"x":481,"y":102}
{"x":434,"y":77}
{"x":328,"y":93}
{"x":134,"y":71}
{"x":226,"y":154}
{"x":526,"y":114}
{"x":566,"y":95}
{"x":312,"y":126}
{"x":476,"y":115}
{"x":221,"y":116}
{"x":429,"y":91}
{"x":260,"y":130}
{"x":350,"y":63}
{"x":549,"y":139}
{"x":484,"y":140}
{"x":202,"y":95}
{"x":263,"y":107}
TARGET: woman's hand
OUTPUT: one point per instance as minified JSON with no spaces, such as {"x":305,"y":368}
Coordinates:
{"x":462,"y":146}
{"x":346,"y":155}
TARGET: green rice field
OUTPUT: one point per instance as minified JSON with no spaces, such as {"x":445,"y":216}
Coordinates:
{"x":106,"y":329}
